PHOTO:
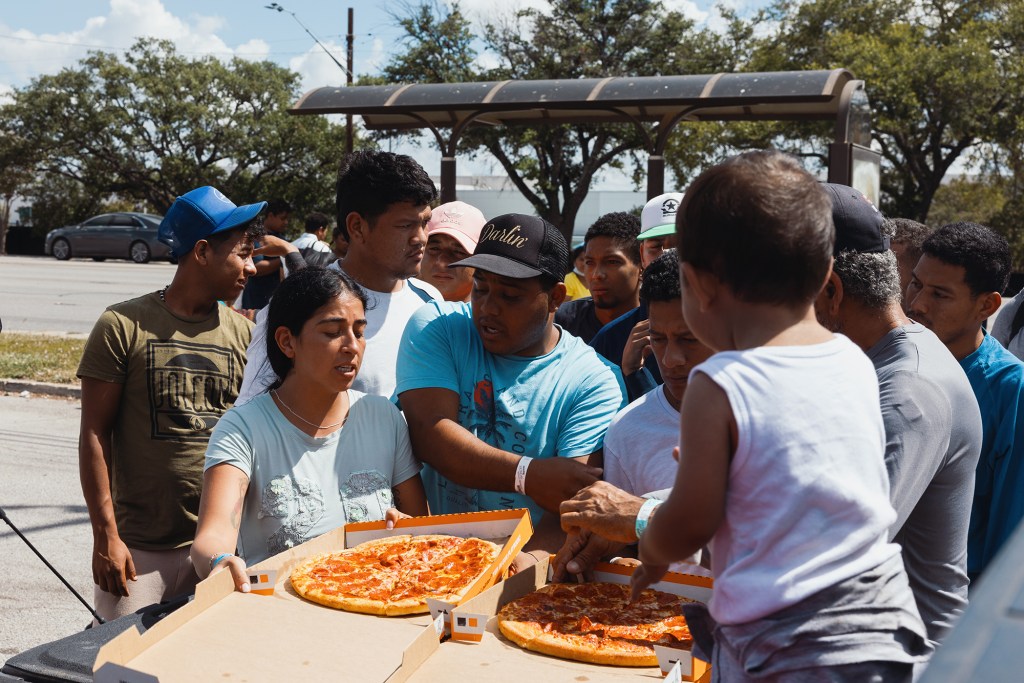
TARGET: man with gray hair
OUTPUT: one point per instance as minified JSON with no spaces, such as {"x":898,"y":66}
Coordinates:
{"x":932,"y":421}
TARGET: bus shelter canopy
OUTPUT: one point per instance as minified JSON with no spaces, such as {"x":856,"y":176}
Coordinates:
{"x":662,"y":100}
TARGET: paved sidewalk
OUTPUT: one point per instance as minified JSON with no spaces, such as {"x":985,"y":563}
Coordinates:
{"x":40,"y":492}
{"x":37,"y":389}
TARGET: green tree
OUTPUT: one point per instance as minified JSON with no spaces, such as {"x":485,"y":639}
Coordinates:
{"x":978,"y":199}
{"x":58,"y":200}
{"x":942,"y":77}
{"x":16,"y":163}
{"x":554,"y":166}
{"x":438,"y":46}
{"x":152,"y":124}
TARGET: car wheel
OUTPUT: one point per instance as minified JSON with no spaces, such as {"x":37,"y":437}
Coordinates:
{"x":139,"y":252}
{"x":61,"y":249}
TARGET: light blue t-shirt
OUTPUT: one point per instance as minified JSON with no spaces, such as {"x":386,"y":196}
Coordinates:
{"x":558,"y":404}
{"x":997,"y":377}
{"x":300,"y":486}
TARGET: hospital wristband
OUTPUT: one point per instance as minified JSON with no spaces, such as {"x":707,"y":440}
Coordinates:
{"x":644,"y":515}
{"x":216,"y":559}
{"x":524,"y":464}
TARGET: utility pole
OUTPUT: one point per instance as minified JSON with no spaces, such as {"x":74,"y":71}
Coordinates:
{"x":350,"y":39}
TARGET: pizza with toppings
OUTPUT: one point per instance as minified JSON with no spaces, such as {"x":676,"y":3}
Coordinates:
{"x":394,"y":576}
{"x":594,"y":622}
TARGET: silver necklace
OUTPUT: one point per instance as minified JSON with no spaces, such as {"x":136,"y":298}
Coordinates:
{"x":163,"y":293}
{"x":299,"y":417}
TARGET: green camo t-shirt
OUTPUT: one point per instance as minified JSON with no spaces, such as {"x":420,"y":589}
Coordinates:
{"x":179,"y":375}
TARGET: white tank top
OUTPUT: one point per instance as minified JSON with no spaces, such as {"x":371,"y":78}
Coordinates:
{"x":807,"y":504}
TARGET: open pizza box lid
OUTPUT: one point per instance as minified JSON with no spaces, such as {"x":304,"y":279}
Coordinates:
{"x":278,"y":636}
{"x":479,"y":650}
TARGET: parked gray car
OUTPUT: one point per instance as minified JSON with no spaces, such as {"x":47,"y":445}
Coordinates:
{"x":126,"y":235}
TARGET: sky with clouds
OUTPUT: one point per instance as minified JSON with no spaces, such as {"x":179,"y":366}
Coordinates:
{"x":43,"y":36}
{"x":40,"y":37}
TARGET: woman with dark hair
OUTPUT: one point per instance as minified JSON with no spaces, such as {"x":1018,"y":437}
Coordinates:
{"x":311,"y":454}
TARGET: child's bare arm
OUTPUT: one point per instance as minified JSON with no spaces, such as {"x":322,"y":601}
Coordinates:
{"x":696,"y":506}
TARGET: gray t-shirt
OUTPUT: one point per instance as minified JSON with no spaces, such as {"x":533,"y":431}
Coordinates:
{"x":933,"y":439}
{"x":1003,"y":323}
{"x":301,"y":487}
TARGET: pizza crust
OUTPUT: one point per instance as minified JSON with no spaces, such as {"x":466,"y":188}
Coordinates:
{"x":547,"y":644}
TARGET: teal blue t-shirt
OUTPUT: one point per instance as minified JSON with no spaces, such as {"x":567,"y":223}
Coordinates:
{"x":997,"y":377}
{"x":558,"y":404}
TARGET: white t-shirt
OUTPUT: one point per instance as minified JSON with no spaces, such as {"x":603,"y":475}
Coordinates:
{"x":386,"y":317}
{"x":307,"y":239}
{"x":638,"y":446}
{"x":807,"y":504}
{"x":301,"y":487}
{"x":638,"y":454}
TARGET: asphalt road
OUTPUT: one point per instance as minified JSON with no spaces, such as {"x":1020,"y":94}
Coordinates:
{"x":42,"y":294}
{"x":40,"y":493}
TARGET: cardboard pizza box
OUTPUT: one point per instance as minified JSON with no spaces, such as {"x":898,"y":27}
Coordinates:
{"x":479,"y":652}
{"x":278,"y":636}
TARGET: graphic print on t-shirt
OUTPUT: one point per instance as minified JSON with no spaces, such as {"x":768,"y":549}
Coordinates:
{"x":485,"y":417}
{"x":366,"y":495}
{"x":190,"y":387}
{"x":299,"y":502}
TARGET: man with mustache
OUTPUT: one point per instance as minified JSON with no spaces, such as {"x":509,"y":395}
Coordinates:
{"x":503,"y":406}
{"x":383,"y":202}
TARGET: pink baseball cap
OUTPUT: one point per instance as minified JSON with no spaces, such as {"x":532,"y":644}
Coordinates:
{"x":458,"y":220}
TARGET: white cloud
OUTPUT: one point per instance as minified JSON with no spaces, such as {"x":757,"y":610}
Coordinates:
{"x":317,"y":69}
{"x":29,"y":54}
{"x":484,"y":11}
{"x":253,"y":50}
{"x":377,"y":59}
{"x":687,"y":8}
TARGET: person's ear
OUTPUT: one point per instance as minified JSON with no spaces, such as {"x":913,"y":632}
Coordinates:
{"x":203,"y":252}
{"x":558,"y":294}
{"x":285,"y":341}
{"x":703,"y":284}
{"x":987,"y":305}
{"x":357,"y":227}
{"x":833,"y":290}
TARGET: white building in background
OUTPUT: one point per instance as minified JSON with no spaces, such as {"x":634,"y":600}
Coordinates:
{"x":495,"y":195}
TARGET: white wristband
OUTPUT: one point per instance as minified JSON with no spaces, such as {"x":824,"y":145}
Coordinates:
{"x":524,"y":464}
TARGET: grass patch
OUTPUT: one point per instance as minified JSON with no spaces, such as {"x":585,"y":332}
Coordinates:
{"x":40,"y":357}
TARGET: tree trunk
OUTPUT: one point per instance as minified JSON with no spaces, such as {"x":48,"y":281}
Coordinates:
{"x":5,"y":216}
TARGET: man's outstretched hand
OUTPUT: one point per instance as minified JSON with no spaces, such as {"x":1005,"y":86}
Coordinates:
{"x":603,"y":509}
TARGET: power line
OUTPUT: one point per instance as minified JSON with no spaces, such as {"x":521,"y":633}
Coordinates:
{"x":277,"y":8}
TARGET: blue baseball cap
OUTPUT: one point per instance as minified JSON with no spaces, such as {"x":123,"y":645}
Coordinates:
{"x":200,"y":213}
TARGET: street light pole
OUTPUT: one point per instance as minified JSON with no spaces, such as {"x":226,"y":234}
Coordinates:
{"x":349,"y":39}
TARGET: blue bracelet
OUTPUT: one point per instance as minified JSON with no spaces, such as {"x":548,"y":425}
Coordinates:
{"x":644,"y":515}
{"x":215,"y":560}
